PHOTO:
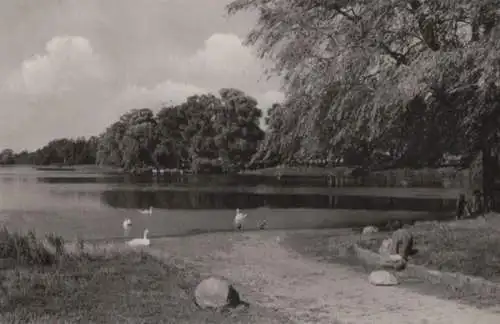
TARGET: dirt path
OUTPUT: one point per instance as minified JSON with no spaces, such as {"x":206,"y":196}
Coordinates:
{"x":306,"y":290}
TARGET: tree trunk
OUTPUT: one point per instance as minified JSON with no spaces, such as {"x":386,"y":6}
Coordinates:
{"x":489,"y":171}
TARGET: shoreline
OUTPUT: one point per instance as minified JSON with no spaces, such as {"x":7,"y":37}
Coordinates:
{"x":278,"y":272}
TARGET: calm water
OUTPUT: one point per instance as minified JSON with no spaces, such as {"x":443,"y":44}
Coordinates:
{"x":94,"y":205}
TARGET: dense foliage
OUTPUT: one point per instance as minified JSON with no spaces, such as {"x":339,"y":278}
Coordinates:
{"x":60,"y":151}
{"x":413,"y":78}
{"x":204,"y":133}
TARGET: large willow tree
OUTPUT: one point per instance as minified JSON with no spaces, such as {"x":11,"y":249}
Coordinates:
{"x":361,"y":67}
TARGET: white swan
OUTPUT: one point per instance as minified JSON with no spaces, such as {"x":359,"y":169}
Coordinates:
{"x":239,"y":219}
{"x":127,"y":223}
{"x":148,"y":211}
{"x":144,"y":241}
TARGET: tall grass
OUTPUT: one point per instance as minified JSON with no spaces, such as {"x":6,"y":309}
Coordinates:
{"x":26,"y":249}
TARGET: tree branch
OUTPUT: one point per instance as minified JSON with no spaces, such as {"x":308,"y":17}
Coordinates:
{"x":398,"y":57}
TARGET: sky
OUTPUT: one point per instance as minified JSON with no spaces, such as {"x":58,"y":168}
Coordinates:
{"x":70,"y":68}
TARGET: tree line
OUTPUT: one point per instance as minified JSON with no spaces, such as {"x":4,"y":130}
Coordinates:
{"x":64,"y":151}
{"x":208,"y":133}
{"x":204,"y":133}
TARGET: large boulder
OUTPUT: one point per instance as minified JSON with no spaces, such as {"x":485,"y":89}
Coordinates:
{"x":369,"y":230}
{"x":382,"y":278}
{"x":216,"y":293}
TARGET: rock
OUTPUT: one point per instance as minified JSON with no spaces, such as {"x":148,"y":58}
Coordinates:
{"x":385,"y":247}
{"x":216,"y":293}
{"x":369,"y":230}
{"x":383,"y":278}
{"x":402,"y":243}
{"x":393,"y":261}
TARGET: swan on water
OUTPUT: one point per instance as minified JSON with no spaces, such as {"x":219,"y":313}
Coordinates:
{"x":239,"y":219}
{"x":127,"y":223}
{"x":144,"y":241}
{"x":148,"y":211}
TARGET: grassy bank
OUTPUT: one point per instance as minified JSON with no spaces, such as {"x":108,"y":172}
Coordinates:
{"x":43,"y":283}
{"x":462,"y":247}
{"x":469,"y":247}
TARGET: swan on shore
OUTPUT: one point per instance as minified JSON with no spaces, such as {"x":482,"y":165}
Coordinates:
{"x":127,"y":223}
{"x":148,"y":211}
{"x":144,"y":241}
{"x":239,"y":219}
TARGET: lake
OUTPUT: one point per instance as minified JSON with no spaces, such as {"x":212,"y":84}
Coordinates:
{"x":93,"y":205}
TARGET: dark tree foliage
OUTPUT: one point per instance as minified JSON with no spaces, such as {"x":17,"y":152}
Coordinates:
{"x":62,"y":151}
{"x":413,"y":78}
{"x":204,"y":133}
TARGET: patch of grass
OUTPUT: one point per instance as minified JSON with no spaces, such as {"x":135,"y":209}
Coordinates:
{"x":45,"y":284}
{"x":333,"y":246}
{"x":469,"y":250}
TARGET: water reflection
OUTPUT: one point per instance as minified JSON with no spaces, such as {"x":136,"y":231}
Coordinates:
{"x":177,"y":199}
{"x":216,"y":180}
{"x":94,"y":206}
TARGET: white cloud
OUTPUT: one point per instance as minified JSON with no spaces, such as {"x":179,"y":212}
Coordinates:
{"x":170,"y":92}
{"x":56,"y":93}
{"x":69,"y":62}
{"x":223,"y":62}
{"x":223,"y":54}
{"x":167,"y":92}
{"x":268,"y":98}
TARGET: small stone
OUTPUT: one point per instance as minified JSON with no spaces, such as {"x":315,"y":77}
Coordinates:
{"x":383,"y":278}
{"x":216,"y":293}
{"x":369,"y":230}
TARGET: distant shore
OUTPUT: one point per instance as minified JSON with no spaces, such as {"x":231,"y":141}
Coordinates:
{"x":342,"y":176}
{"x":81,"y":168}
